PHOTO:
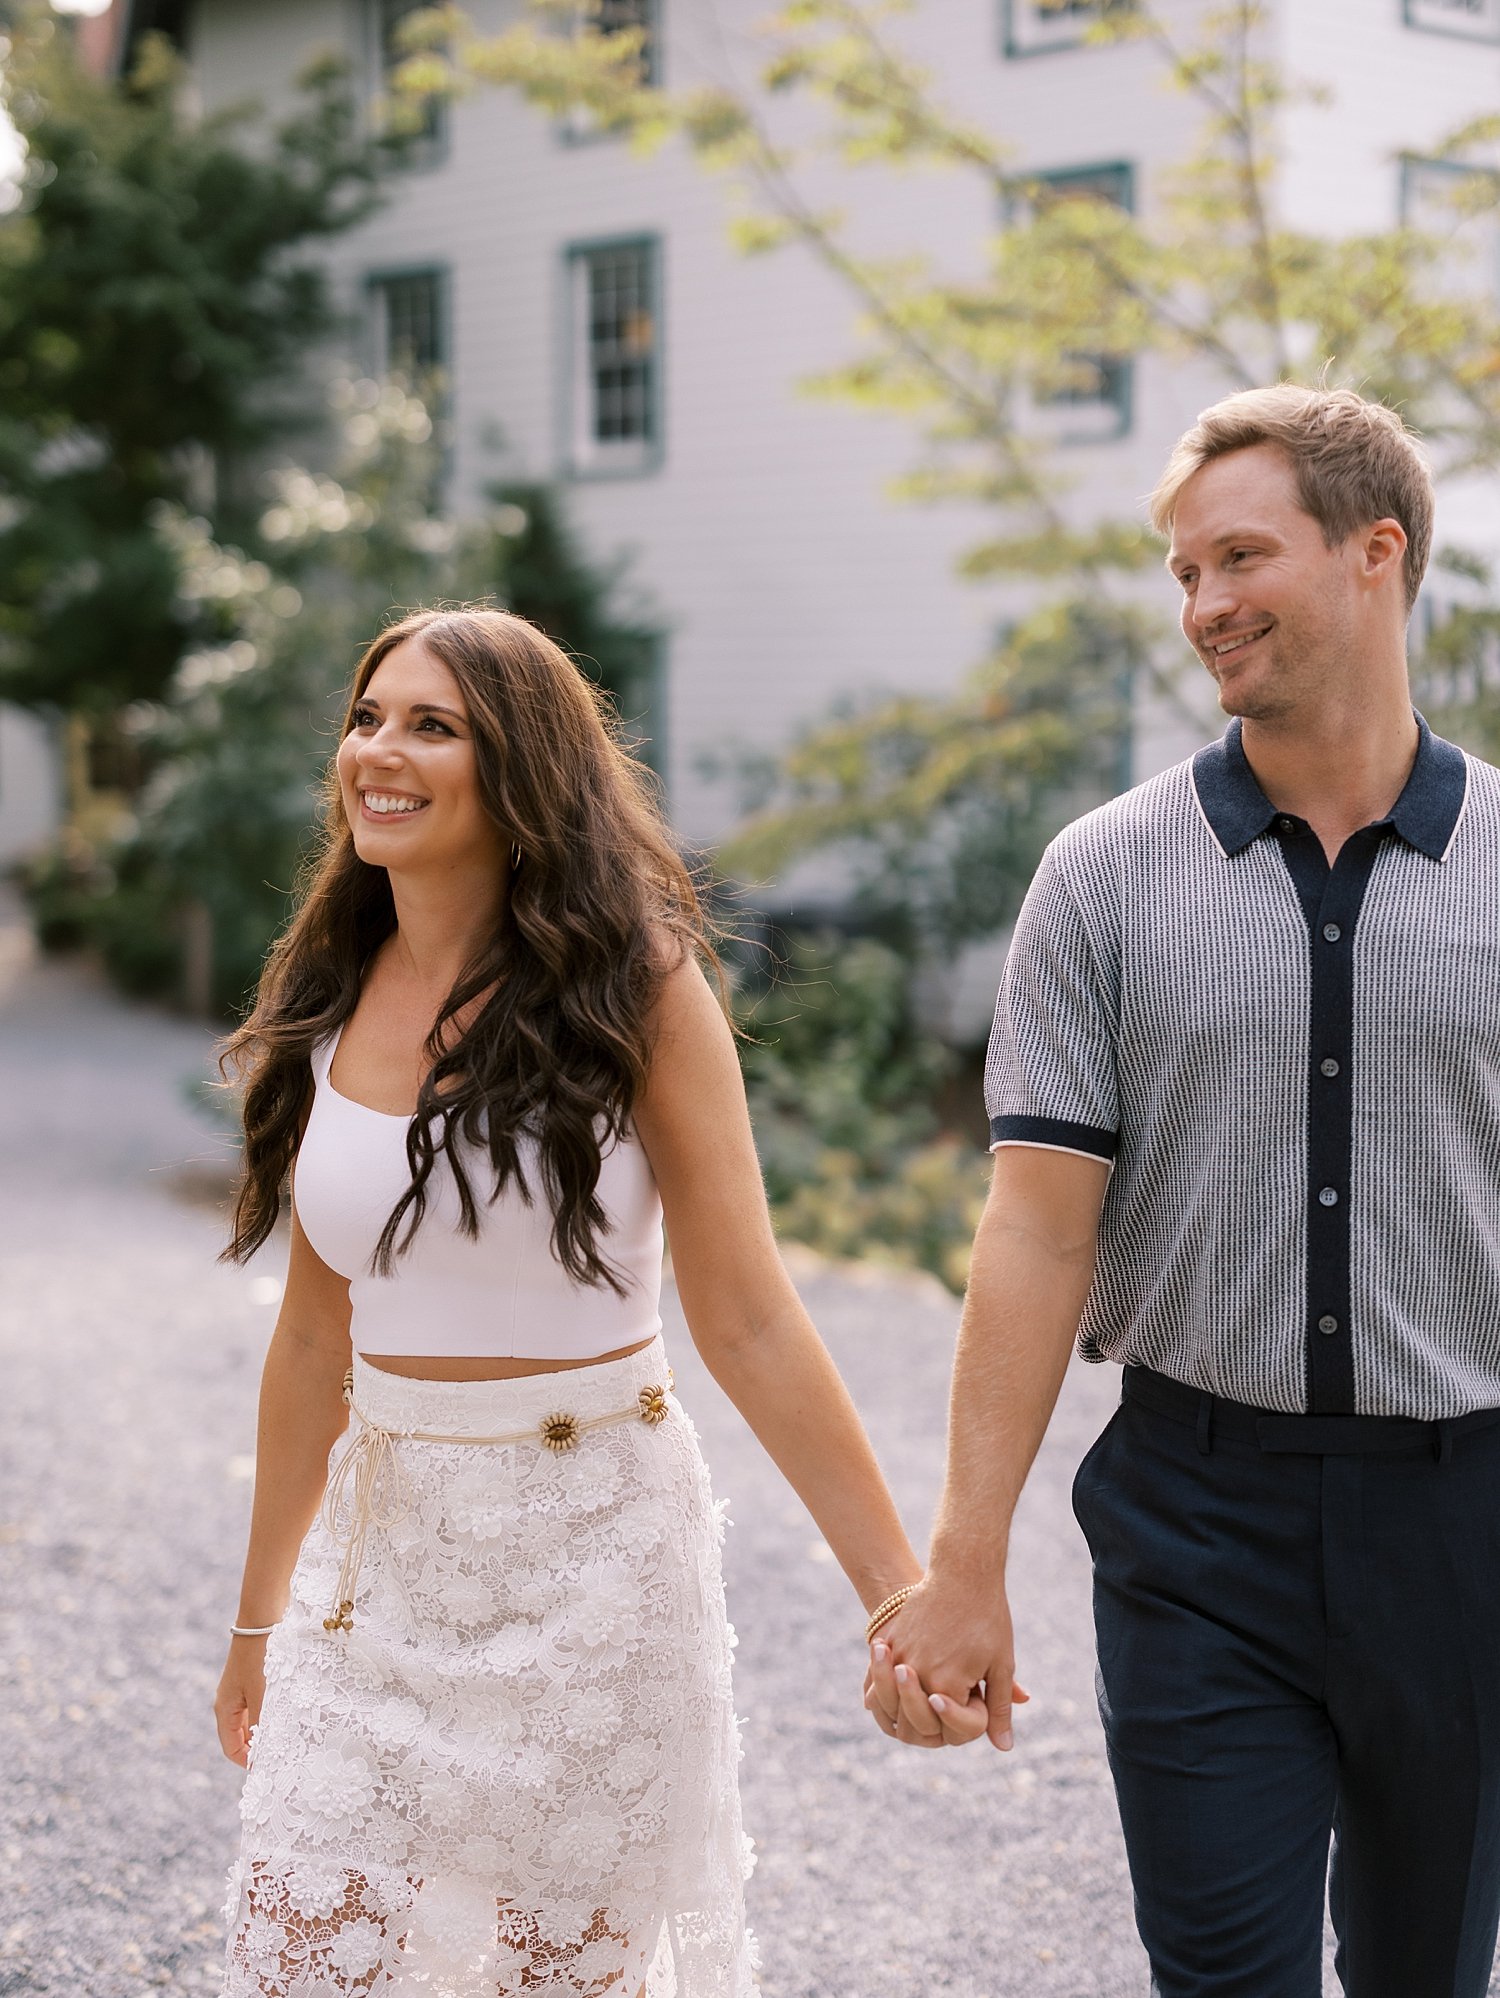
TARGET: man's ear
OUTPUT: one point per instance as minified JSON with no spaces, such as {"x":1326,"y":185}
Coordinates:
{"x":1382,"y":551}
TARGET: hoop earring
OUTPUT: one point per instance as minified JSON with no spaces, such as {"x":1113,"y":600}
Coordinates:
{"x":515,"y":855}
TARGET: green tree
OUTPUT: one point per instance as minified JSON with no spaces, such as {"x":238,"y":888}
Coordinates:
{"x":941,"y":804}
{"x":545,"y":574}
{"x":158,"y":295}
{"x":1204,"y":275}
{"x":1458,"y":666}
{"x":193,"y":606}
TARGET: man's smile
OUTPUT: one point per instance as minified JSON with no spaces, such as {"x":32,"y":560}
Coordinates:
{"x":1235,"y":645}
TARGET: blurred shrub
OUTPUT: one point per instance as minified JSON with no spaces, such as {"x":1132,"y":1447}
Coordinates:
{"x":79,"y":898}
{"x":922,"y":1215}
{"x":209,"y":843}
{"x":59,"y":891}
{"x":843,"y":1086}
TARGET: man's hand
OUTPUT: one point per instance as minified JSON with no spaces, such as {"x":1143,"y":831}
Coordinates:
{"x":940,"y":1674}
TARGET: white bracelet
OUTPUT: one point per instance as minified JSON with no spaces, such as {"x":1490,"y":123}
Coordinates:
{"x":245,"y":1630}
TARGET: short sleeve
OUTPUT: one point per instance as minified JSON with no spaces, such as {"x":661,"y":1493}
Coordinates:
{"x":1049,"y":1074}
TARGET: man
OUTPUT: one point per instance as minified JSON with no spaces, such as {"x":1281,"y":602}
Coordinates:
{"x":1244,"y":1088}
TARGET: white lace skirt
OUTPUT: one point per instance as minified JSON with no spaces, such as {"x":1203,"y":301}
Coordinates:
{"x":516,"y":1774}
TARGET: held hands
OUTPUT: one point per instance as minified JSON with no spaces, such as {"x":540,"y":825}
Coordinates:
{"x":241,"y":1690}
{"x":940,"y":1675}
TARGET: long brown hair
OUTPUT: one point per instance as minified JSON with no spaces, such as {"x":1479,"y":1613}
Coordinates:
{"x":600,"y":907}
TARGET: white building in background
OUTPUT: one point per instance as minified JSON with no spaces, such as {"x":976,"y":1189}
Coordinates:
{"x":30,"y":784}
{"x":597,"y":329}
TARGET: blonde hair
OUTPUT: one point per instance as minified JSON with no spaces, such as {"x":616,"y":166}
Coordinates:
{"x":1355,"y":461}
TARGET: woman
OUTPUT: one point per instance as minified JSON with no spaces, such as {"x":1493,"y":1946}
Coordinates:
{"x":487,"y":1669}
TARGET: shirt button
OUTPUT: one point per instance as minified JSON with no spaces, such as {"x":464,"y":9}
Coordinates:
{"x":1328,"y":1197}
{"x":1332,"y":932}
{"x":1328,"y":1323}
{"x":1286,"y":825}
{"x":1328,"y":1065}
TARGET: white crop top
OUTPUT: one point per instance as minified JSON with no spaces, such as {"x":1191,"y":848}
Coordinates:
{"x":504,"y":1296}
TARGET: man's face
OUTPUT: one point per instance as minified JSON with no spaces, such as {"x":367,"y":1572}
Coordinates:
{"x":1267,"y":606}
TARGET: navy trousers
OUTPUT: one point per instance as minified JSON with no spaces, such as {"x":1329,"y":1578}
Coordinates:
{"x":1299,"y":1641}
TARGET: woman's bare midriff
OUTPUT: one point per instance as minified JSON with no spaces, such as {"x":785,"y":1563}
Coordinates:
{"x":425,"y":1367}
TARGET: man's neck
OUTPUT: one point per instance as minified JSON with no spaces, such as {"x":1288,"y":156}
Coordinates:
{"x":1337,"y":769}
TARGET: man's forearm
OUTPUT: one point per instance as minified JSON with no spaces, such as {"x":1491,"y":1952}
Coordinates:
{"x":1032,"y":1266}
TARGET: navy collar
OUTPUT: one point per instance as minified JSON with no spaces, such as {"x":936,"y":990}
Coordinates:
{"x":1426,"y":815}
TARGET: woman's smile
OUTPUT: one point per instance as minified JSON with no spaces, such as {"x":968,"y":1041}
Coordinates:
{"x":387,"y":805}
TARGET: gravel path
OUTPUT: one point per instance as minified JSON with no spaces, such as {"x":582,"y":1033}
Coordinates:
{"x":130,"y":1361}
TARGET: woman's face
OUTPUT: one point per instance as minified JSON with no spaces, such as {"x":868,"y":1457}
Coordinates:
{"x":408,"y":771}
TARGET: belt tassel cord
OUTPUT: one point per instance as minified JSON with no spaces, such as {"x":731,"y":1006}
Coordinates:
{"x":367,"y":1487}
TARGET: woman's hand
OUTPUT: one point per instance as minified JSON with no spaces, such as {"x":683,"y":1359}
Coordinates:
{"x":941,"y":1676}
{"x":241,"y":1690}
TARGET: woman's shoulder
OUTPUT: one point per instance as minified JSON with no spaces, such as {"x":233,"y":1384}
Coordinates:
{"x":683,"y":994}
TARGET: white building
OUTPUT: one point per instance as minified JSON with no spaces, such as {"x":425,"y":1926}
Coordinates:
{"x":30,"y":784}
{"x":589,"y":312}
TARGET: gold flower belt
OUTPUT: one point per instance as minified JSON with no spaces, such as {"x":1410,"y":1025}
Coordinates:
{"x":368,"y":1487}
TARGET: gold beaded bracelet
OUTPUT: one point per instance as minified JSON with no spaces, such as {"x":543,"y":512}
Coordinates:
{"x":883,"y":1612}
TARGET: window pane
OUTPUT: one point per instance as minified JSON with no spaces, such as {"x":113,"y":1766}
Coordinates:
{"x":1096,"y":379}
{"x":412,"y":333}
{"x":392,"y":14}
{"x":1476,"y":20}
{"x":428,"y":137}
{"x":1113,"y":184}
{"x":1099,"y":382}
{"x":614,"y":15}
{"x":1034,"y":25}
{"x":622,"y":341}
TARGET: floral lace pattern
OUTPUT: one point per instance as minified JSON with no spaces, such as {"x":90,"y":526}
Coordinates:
{"x":517,"y":1773}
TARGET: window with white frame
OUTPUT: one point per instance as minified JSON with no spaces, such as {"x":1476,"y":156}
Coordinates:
{"x":615,"y":337}
{"x":1033,"y":27}
{"x":1474,"y":20}
{"x":1093,"y":403}
{"x":427,"y":145}
{"x":1458,"y":206}
{"x":409,"y":323}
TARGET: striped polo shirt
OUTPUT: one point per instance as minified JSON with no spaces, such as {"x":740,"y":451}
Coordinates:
{"x":1295,"y":1070}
